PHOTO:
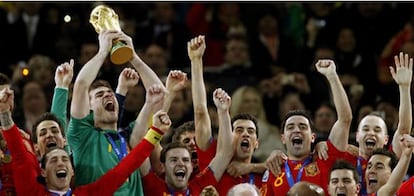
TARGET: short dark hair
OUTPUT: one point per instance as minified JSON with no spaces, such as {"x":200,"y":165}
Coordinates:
{"x":98,"y":83}
{"x":246,"y":117}
{"x":169,"y":147}
{"x":46,"y":116}
{"x":4,"y":79}
{"x":393,"y":158}
{"x":342,"y":164}
{"x":44,"y":159}
{"x":188,"y":126}
{"x":297,"y":113}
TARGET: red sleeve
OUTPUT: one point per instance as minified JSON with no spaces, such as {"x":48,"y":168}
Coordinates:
{"x":205,"y":157}
{"x":109,"y":183}
{"x":23,"y":165}
{"x":267,"y":180}
{"x":153,"y":185}
{"x":203,"y":179}
{"x":407,"y":188}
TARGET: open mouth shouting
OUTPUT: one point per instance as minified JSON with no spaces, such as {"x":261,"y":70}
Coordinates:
{"x":61,"y":174}
{"x":297,"y":142}
{"x":372,"y":182}
{"x":109,"y":106}
{"x":341,"y":192}
{"x":370,"y":143}
{"x":51,"y":144}
{"x":180,"y":174}
{"x":245,"y":145}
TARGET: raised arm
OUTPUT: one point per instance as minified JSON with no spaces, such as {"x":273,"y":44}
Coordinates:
{"x":397,"y":175}
{"x":402,"y":74}
{"x":80,"y":100}
{"x":224,"y":151}
{"x":196,"y":48}
{"x":23,"y":165}
{"x":340,"y":130}
{"x":160,"y":121}
{"x":127,"y":79}
{"x":176,"y":82}
{"x":63,"y":78}
{"x":154,"y":96}
{"x":148,"y":76}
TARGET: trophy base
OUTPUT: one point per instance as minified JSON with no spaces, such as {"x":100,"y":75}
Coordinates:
{"x":120,"y":54}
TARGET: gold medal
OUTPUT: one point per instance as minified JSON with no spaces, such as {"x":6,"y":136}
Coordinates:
{"x":6,"y":159}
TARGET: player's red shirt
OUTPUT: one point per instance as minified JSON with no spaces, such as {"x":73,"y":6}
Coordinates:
{"x":407,"y":188}
{"x":227,"y":181}
{"x":317,"y":172}
{"x":154,"y":185}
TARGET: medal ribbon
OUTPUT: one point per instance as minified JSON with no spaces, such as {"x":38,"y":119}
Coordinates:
{"x":289,"y":174}
{"x":120,"y":152}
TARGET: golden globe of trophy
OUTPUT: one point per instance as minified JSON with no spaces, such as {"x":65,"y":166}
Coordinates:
{"x":104,"y":18}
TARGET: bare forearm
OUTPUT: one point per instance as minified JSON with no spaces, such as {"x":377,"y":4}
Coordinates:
{"x":146,"y":74}
{"x":90,"y":70}
{"x":201,"y":116}
{"x":141,"y":125}
{"x":397,"y":176}
{"x":224,"y":141}
{"x":340,"y":131}
{"x":404,"y":118}
{"x":6,"y":120}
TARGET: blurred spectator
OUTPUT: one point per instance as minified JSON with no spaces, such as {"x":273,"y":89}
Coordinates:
{"x":215,"y":21}
{"x":270,"y":46}
{"x":237,"y":63}
{"x":248,"y":100}
{"x":164,"y":29}
{"x":33,"y":105}
{"x":155,"y":57}
{"x":324,"y":118}
{"x":36,"y":35}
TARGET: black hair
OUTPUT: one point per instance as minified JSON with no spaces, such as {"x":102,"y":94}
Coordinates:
{"x":246,"y":117}
{"x":393,"y":158}
{"x":297,"y":113}
{"x":188,"y":126}
{"x":44,"y":117}
{"x":342,"y":164}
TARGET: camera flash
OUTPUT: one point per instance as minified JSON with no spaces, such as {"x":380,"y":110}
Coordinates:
{"x":67,"y":18}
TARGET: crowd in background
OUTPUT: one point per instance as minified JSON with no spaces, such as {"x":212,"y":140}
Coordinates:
{"x":260,"y":53}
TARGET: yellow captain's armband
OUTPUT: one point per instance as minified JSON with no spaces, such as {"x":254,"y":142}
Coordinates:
{"x":153,"y":136}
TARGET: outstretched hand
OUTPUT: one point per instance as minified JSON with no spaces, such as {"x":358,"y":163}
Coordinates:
{"x":403,"y":71}
{"x":64,"y":74}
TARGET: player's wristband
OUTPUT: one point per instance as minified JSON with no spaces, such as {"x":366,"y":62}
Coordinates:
{"x":153,"y":135}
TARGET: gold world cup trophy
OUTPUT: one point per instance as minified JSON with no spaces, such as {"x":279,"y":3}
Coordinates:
{"x":104,"y":18}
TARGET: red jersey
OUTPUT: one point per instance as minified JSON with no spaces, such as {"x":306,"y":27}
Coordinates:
{"x":154,"y":185}
{"x":227,"y":181}
{"x":205,"y":157}
{"x":407,"y":188}
{"x":105,"y":185}
{"x":6,"y":175}
{"x":314,"y":171}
